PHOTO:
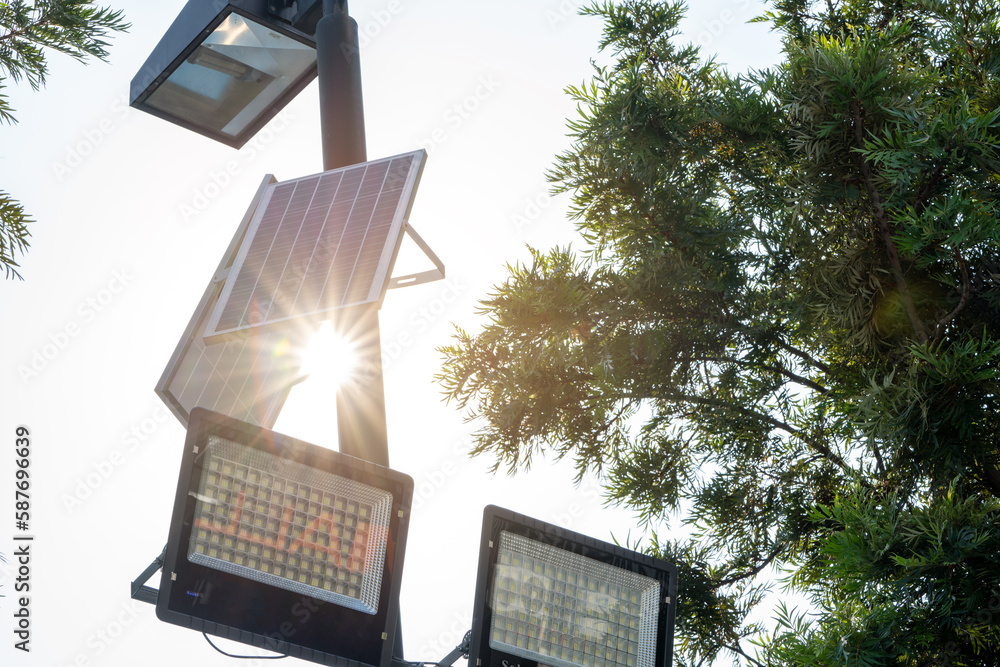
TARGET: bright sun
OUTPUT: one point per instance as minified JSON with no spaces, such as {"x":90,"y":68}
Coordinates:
{"x":329,"y":357}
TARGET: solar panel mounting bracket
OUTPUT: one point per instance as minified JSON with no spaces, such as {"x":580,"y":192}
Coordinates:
{"x":437,"y":273}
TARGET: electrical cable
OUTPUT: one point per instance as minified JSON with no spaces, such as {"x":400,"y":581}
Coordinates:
{"x":242,"y":657}
{"x":463,"y":647}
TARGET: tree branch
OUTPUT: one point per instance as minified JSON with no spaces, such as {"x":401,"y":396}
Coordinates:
{"x":884,"y":227}
{"x":803,"y":355}
{"x":754,"y":571}
{"x":737,"y":650}
{"x":878,"y":458}
{"x":26,"y":30}
{"x":819,"y":447}
{"x":925,"y":190}
{"x":795,"y":377}
{"x":962,"y":302}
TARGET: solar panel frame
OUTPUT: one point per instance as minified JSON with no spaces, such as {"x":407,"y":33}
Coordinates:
{"x":239,"y":377}
{"x":350,"y":221}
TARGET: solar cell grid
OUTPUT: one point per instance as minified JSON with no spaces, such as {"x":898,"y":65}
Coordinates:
{"x":266,"y":290}
{"x":381,"y":219}
{"x":351,"y":241}
{"x":256,"y":253}
{"x":319,"y":243}
{"x":245,"y":377}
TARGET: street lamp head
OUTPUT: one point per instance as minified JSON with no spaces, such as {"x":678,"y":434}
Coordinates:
{"x":224,"y":69}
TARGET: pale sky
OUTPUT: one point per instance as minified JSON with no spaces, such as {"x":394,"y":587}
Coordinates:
{"x":133,"y":215}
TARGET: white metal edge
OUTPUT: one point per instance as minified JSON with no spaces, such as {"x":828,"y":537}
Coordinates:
{"x":210,"y":297}
{"x":380,"y":281}
{"x":212,"y":334}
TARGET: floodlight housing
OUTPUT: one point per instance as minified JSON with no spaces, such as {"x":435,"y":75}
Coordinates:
{"x":224,"y":69}
{"x":285,"y":545}
{"x":546,"y":596}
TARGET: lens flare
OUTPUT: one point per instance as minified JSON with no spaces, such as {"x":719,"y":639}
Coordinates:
{"x":330,"y":357}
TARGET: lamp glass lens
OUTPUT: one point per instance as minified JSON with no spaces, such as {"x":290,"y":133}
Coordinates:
{"x":233,"y":76}
{"x":279,"y":522}
{"x":566,"y":610}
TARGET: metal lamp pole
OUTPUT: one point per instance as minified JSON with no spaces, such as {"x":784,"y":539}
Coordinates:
{"x":340,"y":99}
{"x":361,"y":417}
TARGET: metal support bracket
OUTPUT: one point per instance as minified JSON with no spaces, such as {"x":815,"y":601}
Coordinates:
{"x":145,"y":593}
{"x":460,"y":651}
{"x":431,"y":275}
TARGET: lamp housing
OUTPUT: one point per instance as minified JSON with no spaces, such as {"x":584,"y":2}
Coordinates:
{"x":224,"y":69}
{"x":547,"y":596}
{"x":285,"y":545}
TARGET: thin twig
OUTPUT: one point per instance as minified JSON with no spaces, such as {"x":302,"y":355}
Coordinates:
{"x":754,"y":571}
{"x":962,"y":302}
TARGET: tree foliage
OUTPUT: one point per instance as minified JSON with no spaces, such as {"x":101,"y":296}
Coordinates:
{"x":785,"y":325}
{"x":28,"y":30}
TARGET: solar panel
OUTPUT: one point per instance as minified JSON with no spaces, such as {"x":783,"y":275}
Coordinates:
{"x":247,"y":377}
{"x":317,"y":244}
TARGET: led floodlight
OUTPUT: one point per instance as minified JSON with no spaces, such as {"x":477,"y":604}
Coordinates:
{"x":549,"y":596}
{"x":285,"y":545}
{"x":224,"y":69}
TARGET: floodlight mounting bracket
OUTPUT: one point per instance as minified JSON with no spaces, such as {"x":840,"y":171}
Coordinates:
{"x":144,"y":593}
{"x":460,"y":651}
{"x":437,"y":273}
{"x":301,"y":14}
